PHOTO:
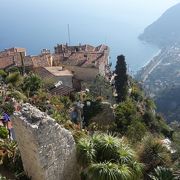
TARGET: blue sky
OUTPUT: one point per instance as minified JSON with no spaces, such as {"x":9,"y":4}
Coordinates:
{"x":37,"y":24}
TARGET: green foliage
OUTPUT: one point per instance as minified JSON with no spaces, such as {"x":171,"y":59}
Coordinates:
{"x":125,"y":112}
{"x":121,"y":79}
{"x":153,"y":153}
{"x":59,"y":117}
{"x":8,"y":108}
{"x":3,"y":74}
{"x":2,"y":177}
{"x":164,"y":127}
{"x":107,"y":147}
{"x":136,"y":95}
{"x":92,"y":110}
{"x":12,"y":69}
{"x":136,"y":131}
{"x":108,"y":171}
{"x":12,"y":159}
{"x":150,"y":105}
{"x":18,"y":95}
{"x":162,"y":173}
{"x":176,"y":145}
{"x":86,"y":151}
{"x":3,"y":132}
{"x":66,"y":101}
{"x":100,"y":87}
{"x":136,"y":92}
{"x":41,"y":100}
{"x":105,"y":156}
{"x":60,"y":108}
{"x":14,"y":79}
{"x":32,"y":83}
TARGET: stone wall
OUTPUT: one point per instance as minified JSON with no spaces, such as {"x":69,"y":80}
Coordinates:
{"x":83,"y":73}
{"x":48,"y":151}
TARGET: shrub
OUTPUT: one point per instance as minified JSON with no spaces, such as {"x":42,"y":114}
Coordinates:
{"x":3,"y":132}
{"x":162,"y":173}
{"x":8,"y":108}
{"x":2,"y":177}
{"x":125,"y":112}
{"x":153,"y":153}
{"x":32,"y":83}
{"x":136,"y":131}
{"x":105,"y":157}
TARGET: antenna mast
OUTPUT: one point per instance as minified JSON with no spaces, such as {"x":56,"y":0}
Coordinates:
{"x":69,"y":38}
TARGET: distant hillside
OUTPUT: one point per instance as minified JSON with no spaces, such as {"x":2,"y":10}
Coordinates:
{"x":168,"y":103}
{"x":161,"y":80}
{"x":166,"y":30}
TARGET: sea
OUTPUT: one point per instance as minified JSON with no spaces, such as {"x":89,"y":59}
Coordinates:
{"x":39,"y":24}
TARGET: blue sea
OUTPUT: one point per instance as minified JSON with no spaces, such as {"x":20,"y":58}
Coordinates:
{"x":38,"y":24}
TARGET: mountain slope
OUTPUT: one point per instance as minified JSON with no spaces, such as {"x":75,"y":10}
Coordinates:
{"x":166,"y":30}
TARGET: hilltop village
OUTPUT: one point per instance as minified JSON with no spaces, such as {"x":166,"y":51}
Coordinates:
{"x":65,"y":116}
{"x":67,"y":66}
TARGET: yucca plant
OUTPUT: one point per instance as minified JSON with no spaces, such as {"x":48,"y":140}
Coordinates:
{"x":2,"y":177}
{"x":106,"y":147}
{"x":108,"y":171}
{"x":125,"y":154}
{"x":162,"y":173}
{"x":85,"y":151}
{"x":14,"y":79}
{"x":153,"y":153}
{"x":136,"y":170}
{"x":107,"y":157}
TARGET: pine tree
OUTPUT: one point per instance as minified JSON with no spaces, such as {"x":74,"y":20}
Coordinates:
{"x":121,"y":79}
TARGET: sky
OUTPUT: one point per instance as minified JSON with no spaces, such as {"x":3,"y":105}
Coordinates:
{"x":37,"y":24}
{"x":139,"y":12}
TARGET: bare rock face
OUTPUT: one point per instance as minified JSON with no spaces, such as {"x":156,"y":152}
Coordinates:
{"x":48,"y":151}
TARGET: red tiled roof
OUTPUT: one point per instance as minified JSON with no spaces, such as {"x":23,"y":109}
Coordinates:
{"x":62,"y":90}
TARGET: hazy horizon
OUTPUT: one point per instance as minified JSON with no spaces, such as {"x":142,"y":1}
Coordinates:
{"x":40,"y":24}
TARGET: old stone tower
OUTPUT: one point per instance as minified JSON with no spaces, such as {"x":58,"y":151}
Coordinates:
{"x":48,"y":151}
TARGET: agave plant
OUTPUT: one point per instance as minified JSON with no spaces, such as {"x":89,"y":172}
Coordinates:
{"x":162,"y":173}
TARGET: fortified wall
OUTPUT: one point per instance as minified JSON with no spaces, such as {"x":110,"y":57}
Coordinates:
{"x":48,"y":151}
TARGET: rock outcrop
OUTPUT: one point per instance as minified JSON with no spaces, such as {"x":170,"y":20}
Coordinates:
{"x":48,"y":151}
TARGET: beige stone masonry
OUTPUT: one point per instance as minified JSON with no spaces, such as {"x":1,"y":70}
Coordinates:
{"x":48,"y":151}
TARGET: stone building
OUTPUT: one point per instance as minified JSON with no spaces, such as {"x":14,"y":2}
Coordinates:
{"x":84,"y":61}
{"x":56,"y":74}
{"x":12,"y":57}
{"x":83,"y":56}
